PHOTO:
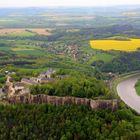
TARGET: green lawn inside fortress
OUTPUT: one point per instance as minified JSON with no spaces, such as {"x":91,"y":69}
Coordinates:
{"x":137,"y":86}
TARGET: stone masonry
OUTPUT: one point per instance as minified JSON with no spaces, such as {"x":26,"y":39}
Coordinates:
{"x":55,"y":100}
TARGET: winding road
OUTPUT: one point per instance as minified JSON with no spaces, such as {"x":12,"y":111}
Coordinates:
{"x":126,"y":91}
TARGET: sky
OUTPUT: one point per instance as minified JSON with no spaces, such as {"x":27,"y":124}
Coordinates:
{"x":45,"y":3}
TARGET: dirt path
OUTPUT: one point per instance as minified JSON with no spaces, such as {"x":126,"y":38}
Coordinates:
{"x":126,"y":91}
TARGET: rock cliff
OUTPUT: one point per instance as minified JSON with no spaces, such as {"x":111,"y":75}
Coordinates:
{"x":9,"y":87}
{"x":54,"y":100}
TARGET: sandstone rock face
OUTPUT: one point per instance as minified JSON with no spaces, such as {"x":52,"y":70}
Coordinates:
{"x":54,"y":100}
{"x":9,"y":87}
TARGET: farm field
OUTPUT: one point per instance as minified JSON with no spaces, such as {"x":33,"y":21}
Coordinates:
{"x":6,"y":20}
{"x":119,"y":45}
{"x":101,"y":56}
{"x":15,"y":32}
{"x":24,"y":32}
{"x":41,"y":31}
{"x":23,"y":49}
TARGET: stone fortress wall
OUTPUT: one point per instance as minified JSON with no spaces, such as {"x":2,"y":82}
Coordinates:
{"x":28,"y":98}
{"x":68,"y":100}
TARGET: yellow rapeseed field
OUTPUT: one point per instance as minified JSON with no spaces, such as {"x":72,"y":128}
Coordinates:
{"x":127,"y":45}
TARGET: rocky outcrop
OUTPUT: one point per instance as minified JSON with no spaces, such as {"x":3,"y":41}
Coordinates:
{"x":9,"y":87}
{"x":54,"y":100}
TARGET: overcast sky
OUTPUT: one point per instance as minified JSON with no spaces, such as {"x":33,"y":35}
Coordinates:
{"x":31,"y":3}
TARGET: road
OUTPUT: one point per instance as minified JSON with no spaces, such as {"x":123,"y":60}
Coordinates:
{"x":126,"y":91}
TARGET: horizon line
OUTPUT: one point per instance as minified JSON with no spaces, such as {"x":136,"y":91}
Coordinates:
{"x":74,"y":6}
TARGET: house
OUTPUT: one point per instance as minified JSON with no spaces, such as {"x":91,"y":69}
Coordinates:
{"x":45,"y":80}
{"x":19,"y":86}
{"x":6,"y":72}
{"x":28,"y":81}
{"x":10,"y":73}
{"x":34,"y":79}
{"x":47,"y":74}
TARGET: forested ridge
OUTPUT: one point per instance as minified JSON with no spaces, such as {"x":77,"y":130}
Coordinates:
{"x":41,"y":122}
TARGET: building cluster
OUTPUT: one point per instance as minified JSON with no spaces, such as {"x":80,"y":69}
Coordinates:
{"x":11,"y":89}
{"x":22,"y":87}
{"x":43,"y":78}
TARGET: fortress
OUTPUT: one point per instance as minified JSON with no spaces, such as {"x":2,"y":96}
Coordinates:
{"x":14,"y":97}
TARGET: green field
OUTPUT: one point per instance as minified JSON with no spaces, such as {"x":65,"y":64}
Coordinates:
{"x":35,"y":52}
{"x":24,"y":34}
{"x":23,"y":49}
{"x":101,"y":56}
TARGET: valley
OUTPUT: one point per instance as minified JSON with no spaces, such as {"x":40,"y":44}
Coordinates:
{"x":56,"y":69}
